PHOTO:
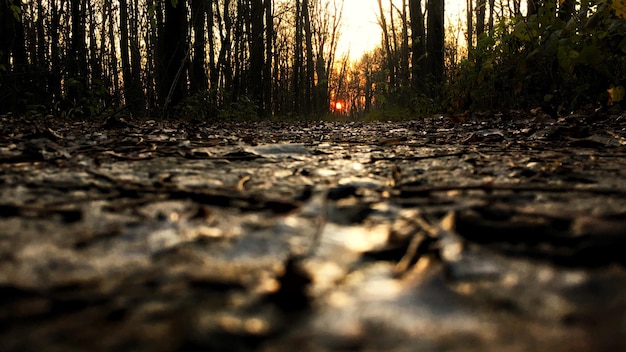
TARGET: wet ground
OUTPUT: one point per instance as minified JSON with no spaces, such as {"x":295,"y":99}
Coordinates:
{"x":502,"y":232}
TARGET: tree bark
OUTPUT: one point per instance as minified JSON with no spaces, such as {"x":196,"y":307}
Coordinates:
{"x":267,"y":68}
{"x":418,"y":39}
{"x":404,"y":48}
{"x":310,"y":65}
{"x":224,"y":62}
{"x":480,"y":18}
{"x":490,"y":21}
{"x":198,"y":76}
{"x":387,"y":45}
{"x":76,"y":84}
{"x":435,"y":40}
{"x":297,"y":60}
{"x":12,"y":56}
{"x":139,"y":103}
{"x":172,"y":50}
{"x":129,"y":89}
{"x":469,"y":20}
{"x":257,"y":52}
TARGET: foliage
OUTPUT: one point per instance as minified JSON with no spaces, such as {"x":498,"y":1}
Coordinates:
{"x":241,"y":109}
{"x":198,"y":107}
{"x":543,"y":60}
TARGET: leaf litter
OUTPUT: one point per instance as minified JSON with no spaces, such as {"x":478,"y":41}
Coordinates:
{"x":499,"y":233}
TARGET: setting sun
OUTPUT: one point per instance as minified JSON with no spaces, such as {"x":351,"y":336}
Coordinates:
{"x":360,"y":31}
{"x":338,"y":106}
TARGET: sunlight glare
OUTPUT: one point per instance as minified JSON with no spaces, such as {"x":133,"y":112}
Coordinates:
{"x":360,"y":31}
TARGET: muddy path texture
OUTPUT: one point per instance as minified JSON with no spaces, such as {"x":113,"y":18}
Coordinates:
{"x":505,"y":233}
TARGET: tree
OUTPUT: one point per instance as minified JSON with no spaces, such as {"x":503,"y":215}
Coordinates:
{"x":404,"y":48}
{"x":435,"y":40}
{"x":77,"y":68}
{"x":469,"y":20}
{"x":133,"y":91}
{"x":387,"y":45}
{"x":418,"y":43}
{"x":198,"y":76}
{"x":172,"y":54}
{"x":12,"y":53}
{"x":326,"y":20}
{"x":480,"y":18}
{"x":257,"y":54}
{"x":309,"y":76}
{"x":267,"y":68}
{"x":297,"y":60}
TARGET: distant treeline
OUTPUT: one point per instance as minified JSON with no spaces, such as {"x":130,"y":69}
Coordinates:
{"x":242,"y":58}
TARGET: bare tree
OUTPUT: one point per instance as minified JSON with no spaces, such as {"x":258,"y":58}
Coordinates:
{"x":469,"y":20}
{"x":172,"y":54}
{"x":297,"y":60}
{"x":77,"y":67}
{"x":267,"y":68}
{"x":404,"y":70}
{"x":387,"y":45}
{"x":131,"y":63}
{"x":435,"y":40}
{"x":198,"y":76}
{"x":309,"y":76}
{"x":418,"y":42}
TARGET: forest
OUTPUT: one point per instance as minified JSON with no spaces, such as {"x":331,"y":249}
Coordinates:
{"x":220,"y":175}
{"x":229,"y":59}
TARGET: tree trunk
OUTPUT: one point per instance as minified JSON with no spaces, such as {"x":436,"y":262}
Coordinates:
{"x":129,"y":89}
{"x":171,"y":58}
{"x":198,"y":76}
{"x":470,"y":26}
{"x":95,"y":53}
{"x":387,"y":44}
{"x":404,"y":49}
{"x":149,"y":38}
{"x":41,"y":38}
{"x":12,"y":56}
{"x":297,"y":59}
{"x":492,"y":4}
{"x":435,"y":40}
{"x":267,"y":68}
{"x":113,"y":65}
{"x":224,"y":62}
{"x":257,"y":52}
{"x":480,"y":18}
{"x":213,"y":64}
{"x":76,"y":84}
{"x":418,"y":47}
{"x":310,"y":65}
{"x":139,"y":103}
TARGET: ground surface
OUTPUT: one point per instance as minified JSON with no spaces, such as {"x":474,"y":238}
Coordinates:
{"x":426,"y":235}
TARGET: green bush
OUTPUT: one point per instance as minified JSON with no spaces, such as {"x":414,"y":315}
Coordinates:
{"x":543,"y":60}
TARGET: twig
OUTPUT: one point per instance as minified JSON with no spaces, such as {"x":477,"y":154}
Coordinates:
{"x":411,"y":253}
{"x":509,"y":187}
{"x":320,"y":223}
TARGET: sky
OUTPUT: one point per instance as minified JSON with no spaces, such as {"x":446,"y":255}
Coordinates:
{"x":361,"y":31}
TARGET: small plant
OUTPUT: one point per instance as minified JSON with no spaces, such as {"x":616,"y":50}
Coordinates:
{"x":543,"y":60}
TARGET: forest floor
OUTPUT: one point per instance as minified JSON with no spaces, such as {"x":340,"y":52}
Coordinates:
{"x":500,"y":233}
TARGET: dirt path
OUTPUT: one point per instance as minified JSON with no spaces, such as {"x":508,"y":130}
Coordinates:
{"x":424,"y":235}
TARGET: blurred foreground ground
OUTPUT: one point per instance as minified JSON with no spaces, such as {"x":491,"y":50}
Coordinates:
{"x":425,"y":235}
